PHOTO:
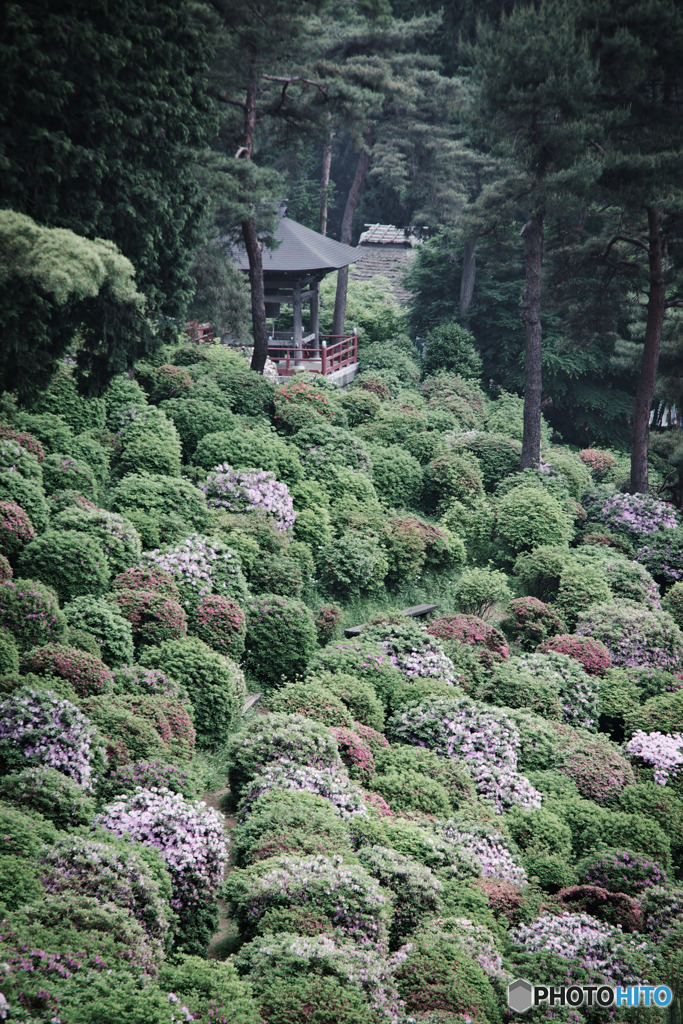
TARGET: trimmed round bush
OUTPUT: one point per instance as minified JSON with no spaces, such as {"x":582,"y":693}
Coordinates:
{"x":662,"y":555}
{"x":30,"y":612}
{"x":250,"y":490}
{"x":51,"y":793}
{"x":221,"y":623}
{"x":659,"y":714}
{"x":437,"y":974}
{"x":170,"y":718}
{"x":497,"y":455}
{"x":489,"y":643}
{"x":598,"y":768}
{"x":136,"y":679}
{"x":355,"y":753}
{"x":581,"y":586}
{"x":87,"y":674}
{"x":408,"y":790}
{"x":24,"y":439}
{"x":40,"y":728}
{"x":29,"y":495}
{"x":16,"y":529}
{"x":416,"y":889}
{"x":352,"y":565}
{"x":397,"y":476}
{"x":401,"y":758}
{"x":215,"y":685}
{"x":620,"y":871}
{"x":64,"y":473}
{"x":530,"y":622}
{"x":249,"y":449}
{"x":149,"y":444}
{"x":103,"y":621}
{"x":71,"y":563}
{"x":282,"y":822}
{"x":474,"y":522}
{"x":539,"y":571}
{"x":119,"y":539}
{"x":152,"y":616}
{"x":14,"y":458}
{"x":194,"y":418}
{"x":478,"y":591}
{"x":451,"y":477}
{"x":528,"y":517}
{"x":673,"y":604}
{"x":147,"y":577}
{"x":169,"y":501}
{"x":358,"y":695}
{"x":554,"y":675}
{"x":277,"y":575}
{"x":590,"y":653}
{"x":201,"y":565}
{"x":281,"y":638}
{"x":634,"y":635}
{"x":127,"y":736}
{"x":276,"y":737}
{"x":312,"y":701}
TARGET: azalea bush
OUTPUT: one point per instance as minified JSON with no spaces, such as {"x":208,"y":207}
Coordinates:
{"x":415,"y":653}
{"x":147,"y":577}
{"x":621,"y":871}
{"x":662,"y":555}
{"x":281,"y":637}
{"x":118,"y":537}
{"x":530,"y":622}
{"x":221,"y":623}
{"x":70,"y":563}
{"x":250,"y":490}
{"x":435,"y":972}
{"x":634,"y":635}
{"x":103,"y":621}
{"x":528,"y":517}
{"x":276,"y":575}
{"x":344,"y":796}
{"x":632,"y":514}
{"x":590,"y":653}
{"x":16,"y":529}
{"x":489,"y":643}
{"x":352,"y":566}
{"x":87,"y":674}
{"x":171,"y":506}
{"x":152,"y":616}
{"x":199,"y":566}
{"x":136,"y":679}
{"x":661,"y":751}
{"x":30,"y":612}
{"x":40,"y":728}
{"x":51,"y":793}
{"x":417,"y":891}
{"x":150,"y":774}
{"x":311,"y":700}
{"x":28,"y":494}
{"x":560,"y":674}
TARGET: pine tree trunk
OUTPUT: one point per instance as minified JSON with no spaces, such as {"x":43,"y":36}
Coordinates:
{"x":656,"y":305}
{"x":533,"y":359}
{"x":469,"y":269}
{"x":325,"y":182}
{"x":346,"y":229}
{"x":258,"y":294}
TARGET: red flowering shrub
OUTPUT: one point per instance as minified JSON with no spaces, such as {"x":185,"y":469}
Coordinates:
{"x":170,"y":718}
{"x":328,"y":622}
{"x":16,"y":529}
{"x":356,"y":754}
{"x":504,"y":899}
{"x":592,"y":654}
{"x":490,"y":643}
{"x":301,"y":393}
{"x":530,"y":621}
{"x":616,"y":908}
{"x":375,"y":740}
{"x":153,"y":616}
{"x":375,"y":386}
{"x":220,"y":623}
{"x":597,"y":767}
{"x":147,"y":577}
{"x":86,"y":673}
{"x":170,"y":382}
{"x":599,"y":462}
{"x":378,"y":804}
{"x":26,"y":440}
{"x":5,"y":569}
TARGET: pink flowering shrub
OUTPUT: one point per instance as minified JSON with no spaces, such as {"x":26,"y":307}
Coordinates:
{"x":199,"y":566}
{"x":154,"y":774}
{"x":62,"y":473}
{"x":377,"y":804}
{"x":662,"y":555}
{"x":328,"y":623}
{"x":661,"y":751}
{"x":633,"y":514}
{"x":599,"y":462}
{"x":634,"y":635}
{"x":16,"y":529}
{"x":5,"y":569}
{"x":220,"y":623}
{"x":250,"y":490}
{"x":301,"y":393}
{"x":591,"y":653}
{"x":40,"y":728}
{"x":345,"y":893}
{"x":375,"y":740}
{"x":489,"y":642}
{"x":24,"y":439}
{"x":188,"y":835}
{"x":147,"y":577}
{"x":30,"y":612}
{"x":345,"y":798}
{"x":136,"y":679}
{"x":531,"y":621}
{"x":355,"y":754}
{"x":87,"y":674}
{"x":153,"y":617}
{"x":614,"y":908}
{"x":621,"y":871}
{"x":597,"y":767}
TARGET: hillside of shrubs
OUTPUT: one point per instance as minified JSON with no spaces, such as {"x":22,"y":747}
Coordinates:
{"x":412,"y":817}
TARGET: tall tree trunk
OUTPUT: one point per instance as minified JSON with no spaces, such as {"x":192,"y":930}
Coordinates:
{"x":325,"y":181}
{"x":533,"y":358}
{"x":346,"y":229}
{"x":469,"y":269}
{"x":656,"y":305}
{"x":252,"y":243}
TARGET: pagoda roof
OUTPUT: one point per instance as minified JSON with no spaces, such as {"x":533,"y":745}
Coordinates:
{"x":300,"y":249}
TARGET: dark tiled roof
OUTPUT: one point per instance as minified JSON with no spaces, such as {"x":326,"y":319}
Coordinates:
{"x":388,"y":234}
{"x":300,"y":249}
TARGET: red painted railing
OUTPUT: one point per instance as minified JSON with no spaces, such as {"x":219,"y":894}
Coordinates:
{"x":199,"y":332}
{"x":334,"y":352}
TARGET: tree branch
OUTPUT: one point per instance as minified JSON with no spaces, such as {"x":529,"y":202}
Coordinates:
{"x":625,"y":238}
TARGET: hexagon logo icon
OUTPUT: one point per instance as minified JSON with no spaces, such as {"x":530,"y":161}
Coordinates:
{"x":520,"y":995}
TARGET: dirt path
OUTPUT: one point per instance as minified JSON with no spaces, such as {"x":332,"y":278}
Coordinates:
{"x":216,"y":950}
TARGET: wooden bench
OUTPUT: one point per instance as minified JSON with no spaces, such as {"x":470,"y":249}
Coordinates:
{"x":417,"y":611}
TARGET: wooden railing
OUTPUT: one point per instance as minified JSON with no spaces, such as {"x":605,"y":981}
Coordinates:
{"x":199,"y":332}
{"x":334,"y":352}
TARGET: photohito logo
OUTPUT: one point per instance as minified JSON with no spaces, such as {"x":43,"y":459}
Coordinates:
{"x":522,"y":995}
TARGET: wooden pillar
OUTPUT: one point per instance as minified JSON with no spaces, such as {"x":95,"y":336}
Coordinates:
{"x":298,"y":323}
{"x":315,"y":319}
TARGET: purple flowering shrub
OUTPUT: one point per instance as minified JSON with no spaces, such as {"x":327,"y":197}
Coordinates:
{"x":634,"y":635}
{"x":281,"y":638}
{"x":344,"y":893}
{"x":199,"y":566}
{"x":152,"y":774}
{"x":30,"y":612}
{"x":189,"y":837}
{"x":483,"y":740}
{"x":283,"y":739}
{"x":603,"y":950}
{"x":632,"y":514}
{"x":220,"y":623}
{"x":6,"y":572}
{"x":312,"y":700}
{"x":415,"y":653}
{"x":147,"y":577}
{"x":289,"y":957}
{"x":662,"y":911}
{"x":112,"y":873}
{"x":519,"y":680}
{"x":136,"y":679}
{"x":71,"y":563}
{"x":62,"y":473}
{"x":152,"y":616}
{"x":662,"y":555}
{"x":87,"y":674}
{"x":416,"y":889}
{"x":16,"y":529}
{"x":42,"y":729}
{"x":250,"y":490}
{"x":51,"y":793}
{"x":487,"y":848}
{"x":344,"y":797}
{"x":661,"y":751}
{"x":621,"y":871}
{"x":118,"y":537}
